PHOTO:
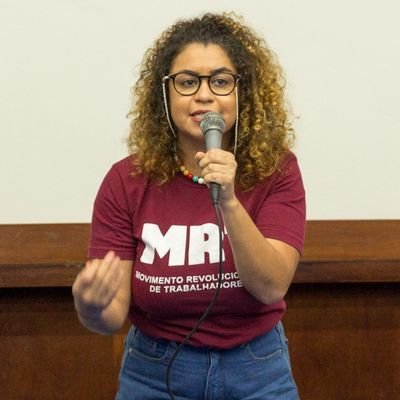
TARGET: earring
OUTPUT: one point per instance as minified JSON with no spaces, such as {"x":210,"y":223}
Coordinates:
{"x":166,"y":108}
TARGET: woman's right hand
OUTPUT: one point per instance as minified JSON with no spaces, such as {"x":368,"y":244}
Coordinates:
{"x":97,"y":284}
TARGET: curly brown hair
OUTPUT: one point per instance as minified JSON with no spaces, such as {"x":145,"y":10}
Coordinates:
{"x":265,"y":132}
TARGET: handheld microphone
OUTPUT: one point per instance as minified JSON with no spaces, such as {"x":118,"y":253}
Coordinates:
{"x":212,"y":126}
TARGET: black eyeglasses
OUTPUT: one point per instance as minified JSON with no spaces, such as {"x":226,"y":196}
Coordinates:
{"x":187,"y":84}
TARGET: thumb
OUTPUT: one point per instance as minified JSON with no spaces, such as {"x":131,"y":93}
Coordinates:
{"x":199,"y":156}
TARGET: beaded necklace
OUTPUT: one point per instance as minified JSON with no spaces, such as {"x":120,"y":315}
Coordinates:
{"x":194,"y":178}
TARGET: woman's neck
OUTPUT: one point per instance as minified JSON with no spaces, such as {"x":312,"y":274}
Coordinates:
{"x":188,"y":147}
{"x":186,"y":153}
{"x":189,"y":162}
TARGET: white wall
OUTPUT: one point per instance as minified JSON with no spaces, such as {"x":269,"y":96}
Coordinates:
{"x":66,"y":68}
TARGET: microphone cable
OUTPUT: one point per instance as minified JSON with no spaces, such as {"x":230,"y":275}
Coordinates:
{"x":206,"y":312}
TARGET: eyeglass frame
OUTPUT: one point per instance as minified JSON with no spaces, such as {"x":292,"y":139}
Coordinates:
{"x":200,"y":77}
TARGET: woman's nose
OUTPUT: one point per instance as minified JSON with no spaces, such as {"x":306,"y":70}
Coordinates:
{"x":204,"y":93}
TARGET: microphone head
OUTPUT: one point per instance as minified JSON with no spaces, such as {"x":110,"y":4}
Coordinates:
{"x":212,"y":120}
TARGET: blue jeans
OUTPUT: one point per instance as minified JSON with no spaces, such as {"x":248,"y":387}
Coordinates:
{"x":258,"y":370}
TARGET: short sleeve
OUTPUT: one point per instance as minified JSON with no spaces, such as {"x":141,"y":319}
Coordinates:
{"x":111,"y":227}
{"x":283,"y":213}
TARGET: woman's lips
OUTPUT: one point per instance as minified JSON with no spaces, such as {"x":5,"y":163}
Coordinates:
{"x":198,"y":115}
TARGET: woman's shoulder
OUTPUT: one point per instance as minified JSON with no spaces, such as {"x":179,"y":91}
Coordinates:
{"x":126,"y":164}
{"x":287,"y":173}
{"x":124,"y":173}
{"x":286,"y":159}
{"x":127,"y":168}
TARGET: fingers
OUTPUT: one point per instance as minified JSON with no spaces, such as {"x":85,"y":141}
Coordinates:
{"x":109,"y":281}
{"x":94,"y":270}
{"x":217,"y":166}
{"x":97,"y":284}
{"x":102,"y":271}
{"x":199,"y":156}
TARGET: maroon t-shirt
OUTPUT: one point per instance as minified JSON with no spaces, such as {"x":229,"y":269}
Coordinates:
{"x":170,"y":232}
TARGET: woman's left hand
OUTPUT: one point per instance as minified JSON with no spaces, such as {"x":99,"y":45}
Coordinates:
{"x":219,"y":166}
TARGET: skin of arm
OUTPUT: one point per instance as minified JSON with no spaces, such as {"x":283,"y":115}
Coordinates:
{"x":265,"y":266}
{"x":102,"y":292}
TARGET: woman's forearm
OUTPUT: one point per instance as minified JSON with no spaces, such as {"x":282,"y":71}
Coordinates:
{"x":109,"y":321}
{"x":265,"y":267}
{"x":102,"y":293}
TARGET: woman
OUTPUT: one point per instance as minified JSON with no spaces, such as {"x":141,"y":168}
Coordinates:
{"x":154,"y":248}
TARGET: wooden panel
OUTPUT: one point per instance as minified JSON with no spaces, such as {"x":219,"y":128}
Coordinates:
{"x":343,"y":318}
{"x":335,"y":251}
{"x":33,"y":244}
{"x":38,"y":275}
{"x":47,"y":355}
{"x":325,"y":241}
{"x":42,"y":255}
{"x":348,"y":271}
{"x":345,"y":340}
{"x":352,"y":240}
